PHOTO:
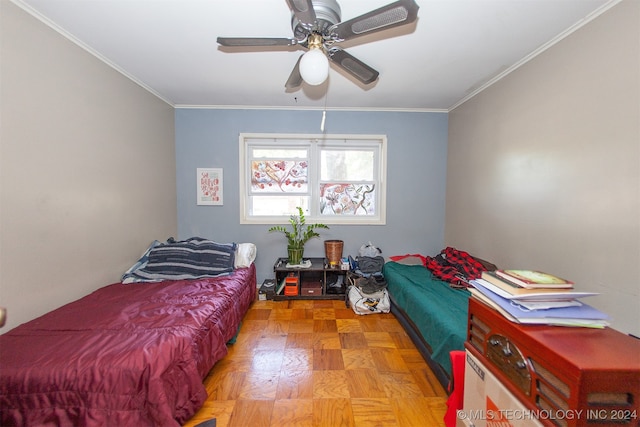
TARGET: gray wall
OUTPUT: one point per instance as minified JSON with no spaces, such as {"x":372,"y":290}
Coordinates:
{"x":87,"y":169}
{"x":416,"y":152}
{"x":544,"y":166}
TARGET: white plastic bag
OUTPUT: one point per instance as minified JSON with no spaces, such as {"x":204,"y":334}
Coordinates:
{"x":369,"y":250}
{"x":361,"y":303}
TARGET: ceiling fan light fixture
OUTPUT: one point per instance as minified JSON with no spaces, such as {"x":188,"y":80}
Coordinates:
{"x":317,"y":26}
{"x":314,"y":67}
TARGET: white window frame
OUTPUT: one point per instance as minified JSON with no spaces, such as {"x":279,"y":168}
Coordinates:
{"x":313,"y":216}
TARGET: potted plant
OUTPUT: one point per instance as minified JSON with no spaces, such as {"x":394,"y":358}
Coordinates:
{"x":298,"y":235}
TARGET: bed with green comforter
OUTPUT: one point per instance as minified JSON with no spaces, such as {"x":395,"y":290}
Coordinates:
{"x":438,"y":311}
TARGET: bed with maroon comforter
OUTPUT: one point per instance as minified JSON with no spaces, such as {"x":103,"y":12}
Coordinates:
{"x":125,"y":355}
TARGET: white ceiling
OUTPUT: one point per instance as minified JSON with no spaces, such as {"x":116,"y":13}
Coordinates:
{"x":456,"y":48}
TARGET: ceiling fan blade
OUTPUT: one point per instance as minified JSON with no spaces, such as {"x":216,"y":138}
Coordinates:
{"x":392,"y":15}
{"x":303,"y":11}
{"x":255,"y":41}
{"x":295,"y":79}
{"x":353,"y":65}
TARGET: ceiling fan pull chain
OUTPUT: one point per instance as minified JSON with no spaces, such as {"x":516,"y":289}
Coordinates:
{"x":324,"y":110}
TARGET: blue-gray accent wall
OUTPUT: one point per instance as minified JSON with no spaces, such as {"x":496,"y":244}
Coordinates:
{"x":416,"y":177}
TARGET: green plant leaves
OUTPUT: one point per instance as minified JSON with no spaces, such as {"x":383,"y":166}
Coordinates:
{"x":299,"y":235}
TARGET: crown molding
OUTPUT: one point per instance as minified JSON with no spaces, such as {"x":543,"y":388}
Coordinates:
{"x":288,"y":108}
{"x":31,"y":11}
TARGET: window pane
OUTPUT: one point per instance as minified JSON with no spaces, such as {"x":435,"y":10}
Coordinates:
{"x":279,"y":176}
{"x":280,"y":153}
{"x":278,"y":205}
{"x":346,"y":165}
{"x":347,"y":199}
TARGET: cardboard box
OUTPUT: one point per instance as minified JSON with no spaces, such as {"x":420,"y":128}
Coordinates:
{"x":267,"y":290}
{"x":311,"y":288}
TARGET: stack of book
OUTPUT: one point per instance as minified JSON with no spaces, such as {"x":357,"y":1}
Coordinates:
{"x":534,"y":297}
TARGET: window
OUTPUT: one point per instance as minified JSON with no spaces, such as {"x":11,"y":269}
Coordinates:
{"x":336,"y":179}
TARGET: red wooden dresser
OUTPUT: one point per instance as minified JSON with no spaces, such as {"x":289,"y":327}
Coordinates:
{"x":565,"y":376}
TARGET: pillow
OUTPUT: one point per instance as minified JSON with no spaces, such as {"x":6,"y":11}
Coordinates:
{"x":129,"y":276}
{"x":245,"y":255}
{"x":415,"y":259}
{"x":193,"y":258}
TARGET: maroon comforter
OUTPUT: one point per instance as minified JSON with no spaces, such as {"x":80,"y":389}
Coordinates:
{"x":125,"y":355}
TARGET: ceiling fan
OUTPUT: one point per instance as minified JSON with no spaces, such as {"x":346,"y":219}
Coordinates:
{"x":317,"y":27}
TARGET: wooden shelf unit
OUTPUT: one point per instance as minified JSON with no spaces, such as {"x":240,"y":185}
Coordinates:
{"x":318,"y":274}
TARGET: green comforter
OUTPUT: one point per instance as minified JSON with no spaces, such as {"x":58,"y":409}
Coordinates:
{"x":439,"y":311}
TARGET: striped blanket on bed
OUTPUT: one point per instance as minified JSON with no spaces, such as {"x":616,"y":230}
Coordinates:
{"x":193,"y":258}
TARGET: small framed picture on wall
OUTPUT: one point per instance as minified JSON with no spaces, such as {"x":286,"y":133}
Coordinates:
{"x":209,"y":184}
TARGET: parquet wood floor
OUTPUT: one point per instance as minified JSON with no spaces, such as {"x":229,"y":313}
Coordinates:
{"x":316,"y":363}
